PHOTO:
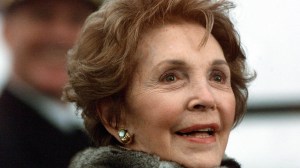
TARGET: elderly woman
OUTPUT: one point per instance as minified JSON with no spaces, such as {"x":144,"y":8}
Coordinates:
{"x":161,"y":83}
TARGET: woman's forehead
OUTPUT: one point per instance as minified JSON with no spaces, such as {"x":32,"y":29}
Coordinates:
{"x":177,"y":44}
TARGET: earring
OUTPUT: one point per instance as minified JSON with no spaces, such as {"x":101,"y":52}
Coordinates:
{"x":124,"y":136}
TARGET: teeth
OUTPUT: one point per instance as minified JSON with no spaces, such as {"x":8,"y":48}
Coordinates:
{"x":199,"y":136}
{"x":206,"y":129}
{"x":201,"y":133}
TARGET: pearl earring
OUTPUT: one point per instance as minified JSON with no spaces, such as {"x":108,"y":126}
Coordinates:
{"x":124,"y":136}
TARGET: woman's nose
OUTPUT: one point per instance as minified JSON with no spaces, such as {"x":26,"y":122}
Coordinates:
{"x":202,"y":99}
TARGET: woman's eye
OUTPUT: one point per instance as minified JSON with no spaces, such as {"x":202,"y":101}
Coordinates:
{"x":169,"y":78}
{"x":218,"y":77}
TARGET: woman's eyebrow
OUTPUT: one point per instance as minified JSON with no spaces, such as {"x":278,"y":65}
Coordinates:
{"x":181,"y":63}
{"x":220,"y":62}
{"x":172,"y":62}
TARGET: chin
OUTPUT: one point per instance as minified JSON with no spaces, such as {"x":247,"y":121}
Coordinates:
{"x":203,"y":161}
{"x":203,"y":164}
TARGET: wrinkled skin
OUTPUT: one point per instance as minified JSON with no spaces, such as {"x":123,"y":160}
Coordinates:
{"x":180,"y":86}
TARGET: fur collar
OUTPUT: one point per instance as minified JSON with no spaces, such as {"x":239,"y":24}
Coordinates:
{"x":117,"y":157}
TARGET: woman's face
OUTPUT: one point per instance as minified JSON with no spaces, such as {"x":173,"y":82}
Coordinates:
{"x":180,"y":105}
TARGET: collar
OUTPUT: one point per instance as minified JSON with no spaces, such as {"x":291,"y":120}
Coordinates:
{"x":114,"y":156}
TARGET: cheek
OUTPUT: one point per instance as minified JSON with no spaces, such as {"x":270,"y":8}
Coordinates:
{"x":151,"y":118}
{"x":159,"y":110}
{"x":228,"y":111}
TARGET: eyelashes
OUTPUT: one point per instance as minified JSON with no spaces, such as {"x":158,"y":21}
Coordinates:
{"x":218,"y":77}
{"x":169,"y":77}
{"x":173,"y":76}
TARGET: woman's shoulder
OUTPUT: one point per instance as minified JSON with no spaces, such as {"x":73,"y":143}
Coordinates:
{"x":116,"y":157}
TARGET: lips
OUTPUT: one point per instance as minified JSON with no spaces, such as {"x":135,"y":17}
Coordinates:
{"x":205,"y":132}
{"x":199,"y":133}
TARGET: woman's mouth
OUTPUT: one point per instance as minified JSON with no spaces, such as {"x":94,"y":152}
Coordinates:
{"x":199,"y":133}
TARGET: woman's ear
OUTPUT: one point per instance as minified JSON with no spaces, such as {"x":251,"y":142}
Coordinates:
{"x":105,"y":110}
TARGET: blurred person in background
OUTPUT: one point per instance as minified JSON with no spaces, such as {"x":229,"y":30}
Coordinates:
{"x":36,"y":128}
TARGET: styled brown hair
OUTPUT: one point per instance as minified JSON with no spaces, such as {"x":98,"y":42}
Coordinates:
{"x":102,"y":63}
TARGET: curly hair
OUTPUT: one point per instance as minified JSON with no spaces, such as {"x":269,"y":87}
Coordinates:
{"x":101,"y":64}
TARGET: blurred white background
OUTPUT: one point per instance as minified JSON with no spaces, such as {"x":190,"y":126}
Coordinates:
{"x":5,"y":60}
{"x":270,"y":34}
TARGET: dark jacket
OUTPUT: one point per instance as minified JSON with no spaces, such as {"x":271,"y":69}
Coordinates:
{"x":28,"y":140}
{"x":117,"y":157}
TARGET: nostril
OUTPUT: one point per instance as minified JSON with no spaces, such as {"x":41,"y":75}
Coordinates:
{"x":199,"y":107}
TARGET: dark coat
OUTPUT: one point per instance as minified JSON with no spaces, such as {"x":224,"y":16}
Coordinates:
{"x":117,"y":157}
{"x":28,"y":140}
